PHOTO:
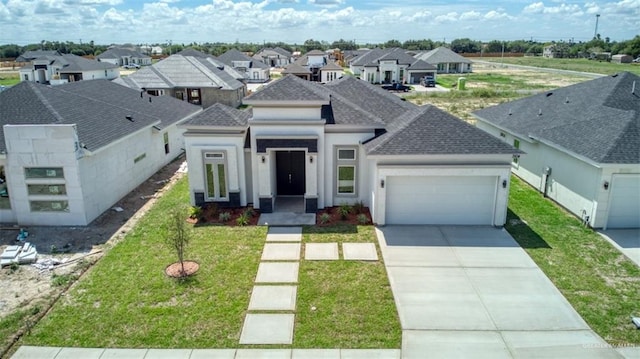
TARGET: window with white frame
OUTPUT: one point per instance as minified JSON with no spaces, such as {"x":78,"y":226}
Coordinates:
{"x":346,"y":171}
{"x":49,"y":206}
{"x":215,"y":169}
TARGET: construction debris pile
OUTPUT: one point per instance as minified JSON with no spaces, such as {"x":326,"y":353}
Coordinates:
{"x":21,"y":254}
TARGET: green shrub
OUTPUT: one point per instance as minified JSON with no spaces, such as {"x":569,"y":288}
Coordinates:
{"x":344,"y":211}
{"x":362,"y":218}
{"x":195,"y":212}
{"x":249,"y":212}
{"x":59,"y":280}
{"x":224,"y":216}
{"x":243,"y":219}
{"x":359,"y":207}
{"x":325,"y":218}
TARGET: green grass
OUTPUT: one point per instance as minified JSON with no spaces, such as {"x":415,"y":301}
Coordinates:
{"x":126,"y":301}
{"x":583,"y":65}
{"x":354,"y":306}
{"x":496,"y":81}
{"x":9,"y":79}
{"x":599,"y":282}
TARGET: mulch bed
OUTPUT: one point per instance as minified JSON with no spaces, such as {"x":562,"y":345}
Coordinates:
{"x":335,"y":218}
{"x":211,"y":216}
{"x":174,"y":270}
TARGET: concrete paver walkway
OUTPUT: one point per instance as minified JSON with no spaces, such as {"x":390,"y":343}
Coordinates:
{"x":473,"y":292}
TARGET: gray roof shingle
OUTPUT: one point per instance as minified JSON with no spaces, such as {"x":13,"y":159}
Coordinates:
{"x":435,"y":132}
{"x":442,"y":55}
{"x":97,"y":107}
{"x":117,"y":52}
{"x":598,"y":119}
{"x":185,"y":71}
{"x":289,"y":88}
{"x":235,"y":55}
{"x":220,"y":115}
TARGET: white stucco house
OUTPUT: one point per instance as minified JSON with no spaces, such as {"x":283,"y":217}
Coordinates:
{"x":316,"y":66}
{"x":274,"y":57}
{"x":344,"y":142}
{"x":582,"y":144}
{"x":69,"y":152}
{"x":124,"y":57}
{"x":390,"y":65}
{"x":254,"y":70}
{"x":54,"y":68}
{"x":446,"y":61}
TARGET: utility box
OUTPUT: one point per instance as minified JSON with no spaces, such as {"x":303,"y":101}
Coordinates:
{"x":462,"y":83}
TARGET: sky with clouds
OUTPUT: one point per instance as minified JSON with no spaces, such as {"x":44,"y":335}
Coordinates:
{"x":294,"y":21}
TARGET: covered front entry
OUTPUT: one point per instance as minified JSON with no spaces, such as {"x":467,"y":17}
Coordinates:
{"x":290,"y":173}
{"x":462,"y":200}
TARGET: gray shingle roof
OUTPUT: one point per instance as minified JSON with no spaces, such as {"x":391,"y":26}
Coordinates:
{"x":296,"y":68}
{"x":289,"y":88}
{"x":184,"y":71}
{"x":442,"y":55}
{"x":30,"y":55}
{"x":598,"y":119}
{"x":69,"y":62}
{"x":97,"y":107}
{"x":220,"y":115}
{"x":435,"y":132}
{"x":117,"y":52}
{"x":235,"y":55}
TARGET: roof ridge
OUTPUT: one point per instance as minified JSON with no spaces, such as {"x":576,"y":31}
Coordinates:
{"x":402,"y":123}
{"x":36,"y":90}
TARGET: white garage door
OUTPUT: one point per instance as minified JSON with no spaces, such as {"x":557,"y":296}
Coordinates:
{"x":625,"y":202}
{"x":440,"y":200}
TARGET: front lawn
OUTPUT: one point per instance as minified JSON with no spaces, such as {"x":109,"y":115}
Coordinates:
{"x":599,"y":282}
{"x":126,"y":300}
{"x":583,"y":65}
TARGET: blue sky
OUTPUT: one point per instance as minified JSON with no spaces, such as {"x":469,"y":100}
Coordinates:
{"x":294,"y":21}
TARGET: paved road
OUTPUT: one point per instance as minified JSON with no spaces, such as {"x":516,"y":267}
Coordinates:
{"x":473,"y":292}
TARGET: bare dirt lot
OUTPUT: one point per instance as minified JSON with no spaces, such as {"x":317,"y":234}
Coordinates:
{"x":77,"y":246}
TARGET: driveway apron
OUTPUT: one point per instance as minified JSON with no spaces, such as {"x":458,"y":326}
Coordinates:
{"x":474,"y":292}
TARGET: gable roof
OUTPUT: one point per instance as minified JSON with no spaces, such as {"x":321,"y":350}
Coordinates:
{"x":97,"y":107}
{"x":219,"y":115}
{"x":442,"y":55}
{"x":296,"y":68}
{"x":189,"y":51}
{"x":117,"y":52}
{"x":68,"y":62}
{"x":421,"y":65}
{"x":232,"y":55}
{"x":597,"y":119}
{"x":435,"y":132}
{"x":184,"y":71}
{"x":286,"y":89}
{"x":331,"y":66}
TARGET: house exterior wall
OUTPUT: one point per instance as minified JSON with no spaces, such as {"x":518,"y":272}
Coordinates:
{"x":330,"y":75}
{"x":43,"y":146}
{"x":574,"y":183}
{"x":110,"y":173}
{"x":93,"y":182}
{"x":235,"y":159}
{"x":6,"y":213}
{"x":333,"y":141}
{"x":287,"y":113}
{"x":108,"y":74}
{"x":209,"y":96}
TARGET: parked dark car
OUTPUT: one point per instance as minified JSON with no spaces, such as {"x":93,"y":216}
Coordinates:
{"x":428,"y":81}
{"x":396,"y":87}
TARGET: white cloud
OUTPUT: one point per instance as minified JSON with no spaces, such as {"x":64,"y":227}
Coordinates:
{"x":497,"y":15}
{"x":449,"y":17}
{"x":562,"y":9}
{"x":330,"y":3}
{"x":470,"y":15}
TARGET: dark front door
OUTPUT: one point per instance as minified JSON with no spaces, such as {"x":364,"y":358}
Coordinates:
{"x":290,"y":173}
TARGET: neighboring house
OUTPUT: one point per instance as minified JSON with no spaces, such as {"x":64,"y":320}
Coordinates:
{"x":347,"y":142}
{"x":54,"y":68}
{"x":622,"y":59}
{"x":582,"y":144}
{"x":274,"y":57}
{"x":201,"y":80}
{"x":315,"y":66}
{"x":124,"y":57}
{"x":390,"y":66}
{"x":151,"y":50}
{"x":70,"y":152}
{"x":446,"y":61}
{"x":253,"y":70}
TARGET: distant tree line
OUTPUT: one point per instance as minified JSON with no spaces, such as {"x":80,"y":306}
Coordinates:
{"x":465,"y":45}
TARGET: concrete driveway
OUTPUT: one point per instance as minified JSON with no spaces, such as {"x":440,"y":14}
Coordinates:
{"x":472,"y":292}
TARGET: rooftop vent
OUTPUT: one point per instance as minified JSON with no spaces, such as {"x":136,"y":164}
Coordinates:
{"x":130,"y":118}
{"x":549,"y":94}
{"x":540,"y":112}
{"x":633,"y":88}
{"x":566,"y":100}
